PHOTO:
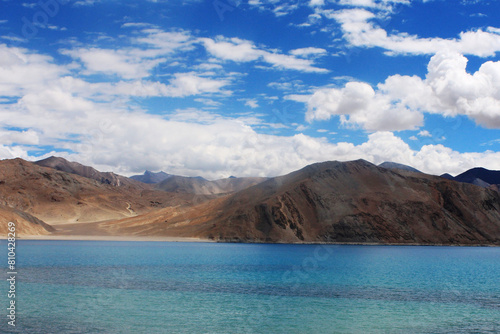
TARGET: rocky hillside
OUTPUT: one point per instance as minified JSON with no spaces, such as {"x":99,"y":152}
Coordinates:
{"x":71,"y":167}
{"x":25,"y":224}
{"x":56,"y":197}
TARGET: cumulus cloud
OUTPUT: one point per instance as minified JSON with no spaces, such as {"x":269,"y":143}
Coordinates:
{"x":194,"y":143}
{"x":449,"y":90}
{"x":399,"y":102}
{"x":358,"y":104}
{"x":360,"y":30}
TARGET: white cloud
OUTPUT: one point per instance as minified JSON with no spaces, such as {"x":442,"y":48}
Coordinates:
{"x":239,"y":50}
{"x":449,"y":90}
{"x":298,"y":98}
{"x":95,"y":120}
{"x":234,"y":49}
{"x":252,"y":103}
{"x":22,"y":71}
{"x":285,"y":8}
{"x":374,"y":4}
{"x":310,"y":51}
{"x":159,"y":43}
{"x":424,"y":133}
{"x":86,"y":2}
{"x":184,"y":84}
{"x":11,"y":152}
{"x":137,"y":25}
{"x":28,"y":137}
{"x":314,"y":3}
{"x":13,"y":38}
{"x":360,"y":30}
{"x":398,"y":103}
{"x":117,"y":62}
{"x":208,"y":102}
{"x":358,"y":104}
{"x":151,"y":48}
{"x":192,"y":142}
{"x":288,"y":85}
{"x":358,"y":3}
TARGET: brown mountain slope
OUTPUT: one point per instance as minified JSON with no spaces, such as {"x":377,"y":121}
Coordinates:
{"x":25,"y":224}
{"x":58,"y":197}
{"x":337,"y":202}
{"x":64,"y":165}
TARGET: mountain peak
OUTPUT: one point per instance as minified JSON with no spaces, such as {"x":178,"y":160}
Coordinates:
{"x":395,"y":165}
{"x":64,"y":165}
{"x":479,"y":176}
{"x":151,"y":177}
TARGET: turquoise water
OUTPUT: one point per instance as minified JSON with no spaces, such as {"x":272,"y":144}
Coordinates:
{"x":163,"y":287}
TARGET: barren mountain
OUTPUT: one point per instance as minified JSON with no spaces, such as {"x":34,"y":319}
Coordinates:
{"x":59,"y":197}
{"x":201,"y":186}
{"x":354,"y":202}
{"x":64,"y":165}
{"x":25,"y":224}
{"x":337,"y":202}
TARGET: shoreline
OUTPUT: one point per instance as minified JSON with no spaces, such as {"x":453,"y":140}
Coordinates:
{"x":197,"y":240}
{"x":110,"y":238}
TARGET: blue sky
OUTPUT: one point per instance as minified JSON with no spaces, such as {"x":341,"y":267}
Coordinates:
{"x":251,"y":88}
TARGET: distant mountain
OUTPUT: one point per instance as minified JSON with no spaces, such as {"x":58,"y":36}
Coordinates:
{"x":151,"y":177}
{"x":448,"y":176}
{"x":64,"y":165}
{"x":479,"y":176}
{"x":201,"y":186}
{"x":395,"y":165}
{"x":355,"y":202}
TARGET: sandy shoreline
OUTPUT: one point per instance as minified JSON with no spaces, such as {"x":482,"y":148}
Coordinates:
{"x":110,"y":238}
{"x":186,"y":239}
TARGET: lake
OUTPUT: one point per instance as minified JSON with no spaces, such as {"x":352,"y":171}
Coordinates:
{"x":175,"y":287}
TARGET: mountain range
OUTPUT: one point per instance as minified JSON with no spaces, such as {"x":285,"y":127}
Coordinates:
{"x":348,"y":202}
{"x":479,"y":176}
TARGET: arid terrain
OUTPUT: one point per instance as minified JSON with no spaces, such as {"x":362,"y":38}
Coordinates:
{"x":330,"y":202}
